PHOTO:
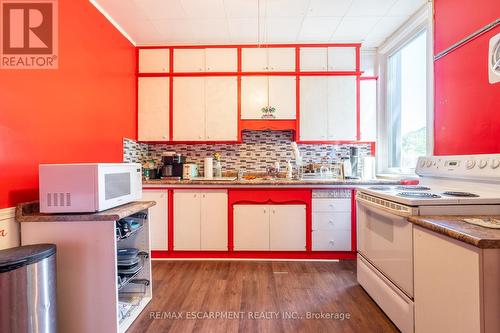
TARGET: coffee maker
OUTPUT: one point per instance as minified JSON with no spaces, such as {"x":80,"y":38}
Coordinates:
{"x":172,"y":166}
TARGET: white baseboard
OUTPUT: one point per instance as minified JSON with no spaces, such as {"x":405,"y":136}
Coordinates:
{"x":9,"y":228}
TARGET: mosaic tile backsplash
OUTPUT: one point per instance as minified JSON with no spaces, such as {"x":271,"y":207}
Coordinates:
{"x":258,"y":150}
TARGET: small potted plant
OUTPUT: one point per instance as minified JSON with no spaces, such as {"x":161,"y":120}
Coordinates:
{"x":268,"y":112}
{"x":217,"y":165}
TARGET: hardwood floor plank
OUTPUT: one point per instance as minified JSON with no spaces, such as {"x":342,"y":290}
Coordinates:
{"x":250,"y":291}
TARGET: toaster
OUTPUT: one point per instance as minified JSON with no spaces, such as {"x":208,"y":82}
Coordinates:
{"x":190,"y":170}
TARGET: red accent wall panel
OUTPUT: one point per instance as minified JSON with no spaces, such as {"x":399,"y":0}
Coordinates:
{"x":77,"y":113}
{"x":455,"y":19}
{"x":466,"y":105}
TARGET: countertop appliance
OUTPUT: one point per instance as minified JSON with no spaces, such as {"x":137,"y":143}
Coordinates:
{"x":190,"y":171}
{"x":173,"y":165}
{"x":449,"y":185}
{"x":88,"y":187}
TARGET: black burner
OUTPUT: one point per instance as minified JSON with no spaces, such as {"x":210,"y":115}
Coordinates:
{"x":379,"y":188}
{"x":461,"y":194}
{"x":419,"y":195}
{"x":413,"y":188}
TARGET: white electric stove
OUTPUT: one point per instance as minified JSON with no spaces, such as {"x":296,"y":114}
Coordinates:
{"x":448,"y":185}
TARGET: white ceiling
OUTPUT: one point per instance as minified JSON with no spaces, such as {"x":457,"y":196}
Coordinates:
{"x":167,"y":22}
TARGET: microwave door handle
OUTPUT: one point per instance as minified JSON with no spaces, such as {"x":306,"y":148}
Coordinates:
{"x":385,"y":210}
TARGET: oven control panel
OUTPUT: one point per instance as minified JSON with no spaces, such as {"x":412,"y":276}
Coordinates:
{"x":460,"y":166}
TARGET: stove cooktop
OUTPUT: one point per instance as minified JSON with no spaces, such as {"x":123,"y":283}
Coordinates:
{"x":461,"y":194}
{"x":418,"y":195}
{"x":412,"y":188}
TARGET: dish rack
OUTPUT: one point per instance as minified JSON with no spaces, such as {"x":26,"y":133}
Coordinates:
{"x":133,"y":267}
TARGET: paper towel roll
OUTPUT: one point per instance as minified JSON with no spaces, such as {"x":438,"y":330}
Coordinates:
{"x":209,"y":167}
{"x":368,"y":168}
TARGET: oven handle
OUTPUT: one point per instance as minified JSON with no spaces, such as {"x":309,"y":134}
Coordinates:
{"x":387,"y":210}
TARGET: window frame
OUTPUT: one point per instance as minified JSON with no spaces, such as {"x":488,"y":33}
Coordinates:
{"x":420,"y":21}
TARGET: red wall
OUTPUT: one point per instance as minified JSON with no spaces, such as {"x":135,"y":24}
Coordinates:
{"x":467,"y":107}
{"x":77,"y":113}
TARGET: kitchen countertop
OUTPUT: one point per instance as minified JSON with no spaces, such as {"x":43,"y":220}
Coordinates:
{"x":270,"y":182}
{"x":30,"y":212}
{"x":454,"y":227}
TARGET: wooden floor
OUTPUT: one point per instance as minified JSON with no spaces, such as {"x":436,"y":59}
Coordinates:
{"x":256,"y":291}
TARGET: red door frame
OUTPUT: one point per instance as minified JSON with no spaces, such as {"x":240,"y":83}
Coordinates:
{"x":293,"y":124}
{"x":300,"y":195}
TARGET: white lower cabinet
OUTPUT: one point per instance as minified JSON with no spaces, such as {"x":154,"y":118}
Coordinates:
{"x":287,"y":228}
{"x":158,"y":218}
{"x":331,"y":221}
{"x":251,"y":227}
{"x":200,"y":220}
{"x":269,"y":227}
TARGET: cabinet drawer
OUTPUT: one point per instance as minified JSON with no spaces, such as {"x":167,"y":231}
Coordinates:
{"x":331,"y":221}
{"x":331,"y":205}
{"x":331,"y":240}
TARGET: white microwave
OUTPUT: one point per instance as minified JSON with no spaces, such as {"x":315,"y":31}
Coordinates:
{"x":88,"y":187}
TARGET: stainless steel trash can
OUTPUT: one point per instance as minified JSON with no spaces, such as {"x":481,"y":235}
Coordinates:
{"x":28,"y":289}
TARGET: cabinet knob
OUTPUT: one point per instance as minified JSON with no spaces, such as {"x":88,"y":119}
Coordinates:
{"x":274,"y":211}
{"x":330,"y":205}
{"x":264,"y":210}
{"x":194,"y":195}
{"x":330,"y":221}
{"x":208,"y":136}
{"x":164,"y":136}
{"x":199,"y":136}
{"x":203,"y":195}
{"x":331,"y":242}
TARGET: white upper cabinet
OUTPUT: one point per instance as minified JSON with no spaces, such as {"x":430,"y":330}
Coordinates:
{"x":205,"y":60}
{"x":258,"y":92}
{"x":154,"y":60}
{"x":189,"y":60}
{"x":254,"y":59}
{"x":205,"y":109}
{"x":342,"y":108}
{"x":281,"y":59}
{"x":313,"y":59}
{"x":221,"y":104}
{"x":341,"y":58}
{"x":254,"y":96}
{"x":313,"y":108}
{"x":282,"y":90}
{"x":221,"y":60}
{"x":272,"y":59}
{"x":328,"y":108}
{"x":189,"y":109}
{"x":153,"y":108}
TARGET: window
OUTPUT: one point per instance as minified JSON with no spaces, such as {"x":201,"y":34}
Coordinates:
{"x":406,"y":104}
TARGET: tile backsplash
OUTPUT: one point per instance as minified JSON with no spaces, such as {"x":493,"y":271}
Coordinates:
{"x":258,"y":150}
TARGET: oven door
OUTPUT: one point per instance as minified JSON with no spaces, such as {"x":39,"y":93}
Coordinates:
{"x":118,"y":184}
{"x":385,"y":239}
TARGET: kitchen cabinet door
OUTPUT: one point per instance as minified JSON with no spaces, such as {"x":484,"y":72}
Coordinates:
{"x":287,"y":227}
{"x":254,"y":59}
{"x":342,"y":108}
{"x":254,"y":96}
{"x":282,"y":96}
{"x":153,"y":108}
{"x":221,"y":60}
{"x":214,"y":220}
{"x":158,"y":218}
{"x":281,"y":59}
{"x":189,"y":60}
{"x":189,"y":109}
{"x":221,"y":96}
{"x":341,"y":58}
{"x":313,"y":108}
{"x":154,"y":60}
{"x":187,"y":212}
{"x":313,"y":59}
{"x":251,"y":227}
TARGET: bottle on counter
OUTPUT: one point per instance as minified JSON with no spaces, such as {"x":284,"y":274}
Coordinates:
{"x":289,"y":170}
